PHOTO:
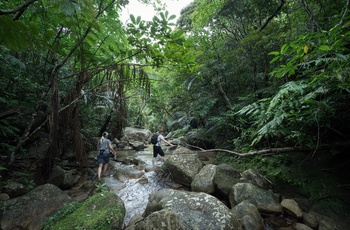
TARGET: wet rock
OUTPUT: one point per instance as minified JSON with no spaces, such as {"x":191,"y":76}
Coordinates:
{"x":123,"y":174}
{"x":149,"y":168}
{"x":143,"y":180}
{"x":132,"y":161}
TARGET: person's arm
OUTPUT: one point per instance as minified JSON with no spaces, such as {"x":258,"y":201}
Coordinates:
{"x":163,"y":139}
{"x":112,"y":150}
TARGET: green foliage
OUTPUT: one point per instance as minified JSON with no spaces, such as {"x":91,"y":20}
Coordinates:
{"x":101,"y":187}
{"x":62,"y":213}
{"x":316,"y":66}
{"x":29,"y":184}
{"x":294,"y":174}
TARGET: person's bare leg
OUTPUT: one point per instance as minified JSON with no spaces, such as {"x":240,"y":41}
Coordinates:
{"x":154,"y":160}
{"x":99,"y":170}
{"x":163,"y":159}
{"x":105,"y":167}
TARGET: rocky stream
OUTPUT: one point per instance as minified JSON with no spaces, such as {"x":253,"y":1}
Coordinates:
{"x":187,"y":191}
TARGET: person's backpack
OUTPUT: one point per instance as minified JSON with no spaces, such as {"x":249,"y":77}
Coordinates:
{"x":154,"y":139}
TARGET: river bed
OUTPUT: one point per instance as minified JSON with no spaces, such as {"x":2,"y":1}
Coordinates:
{"x":135,"y":192}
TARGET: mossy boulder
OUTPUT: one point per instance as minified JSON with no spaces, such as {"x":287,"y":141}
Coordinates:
{"x":103,"y":210}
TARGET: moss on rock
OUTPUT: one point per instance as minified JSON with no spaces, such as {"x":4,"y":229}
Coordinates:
{"x":103,"y":210}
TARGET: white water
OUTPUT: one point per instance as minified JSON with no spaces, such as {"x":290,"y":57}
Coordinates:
{"x":134,"y":194}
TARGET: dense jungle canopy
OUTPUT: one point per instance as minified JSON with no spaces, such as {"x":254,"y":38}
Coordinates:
{"x":249,"y":77}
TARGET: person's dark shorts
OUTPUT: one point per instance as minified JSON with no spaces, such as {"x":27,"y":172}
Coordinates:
{"x":103,"y":158}
{"x":157,"y":150}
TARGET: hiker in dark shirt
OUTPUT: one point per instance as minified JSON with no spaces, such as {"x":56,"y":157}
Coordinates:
{"x":104,"y":147}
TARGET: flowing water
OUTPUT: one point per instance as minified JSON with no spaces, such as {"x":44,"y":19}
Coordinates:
{"x":135,"y":192}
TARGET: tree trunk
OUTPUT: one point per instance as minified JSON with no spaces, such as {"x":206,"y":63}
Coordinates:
{"x":49,"y":160}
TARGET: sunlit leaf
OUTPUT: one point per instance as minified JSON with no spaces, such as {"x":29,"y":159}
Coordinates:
{"x":172,"y":17}
{"x":324,"y":47}
{"x":132,"y":17}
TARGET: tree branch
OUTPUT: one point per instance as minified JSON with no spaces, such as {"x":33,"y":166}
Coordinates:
{"x":272,"y":151}
{"x":18,"y":10}
{"x":344,"y":14}
{"x":312,"y":18}
{"x":273,"y":15}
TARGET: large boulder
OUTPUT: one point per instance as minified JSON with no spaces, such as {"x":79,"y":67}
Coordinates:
{"x":31,"y":210}
{"x":264,"y":200}
{"x":225,"y":177}
{"x":64,"y":179}
{"x":290,"y":207}
{"x":249,"y":216}
{"x":14,"y":189}
{"x":183,"y":168}
{"x":161,"y":220}
{"x":101,"y":211}
{"x":137,"y":145}
{"x":204,"y":180}
{"x":136,"y":134}
{"x":173,"y":209}
{"x":182,"y":150}
{"x":254,"y":177}
{"x":124,"y":174}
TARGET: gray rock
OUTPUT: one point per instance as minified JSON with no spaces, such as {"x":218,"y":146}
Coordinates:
{"x":249,"y":216}
{"x":310,"y":220}
{"x":256,"y":178}
{"x":173,"y":209}
{"x":292,"y":208}
{"x":14,"y":189}
{"x":300,"y":226}
{"x":4,"y":196}
{"x":183,"y":168}
{"x":137,"y":145}
{"x":204,"y":180}
{"x":124,"y":174}
{"x":31,"y":210}
{"x":264,"y":200}
{"x":226,"y":177}
{"x":161,"y":220}
{"x":182,"y":150}
{"x":135,"y":134}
